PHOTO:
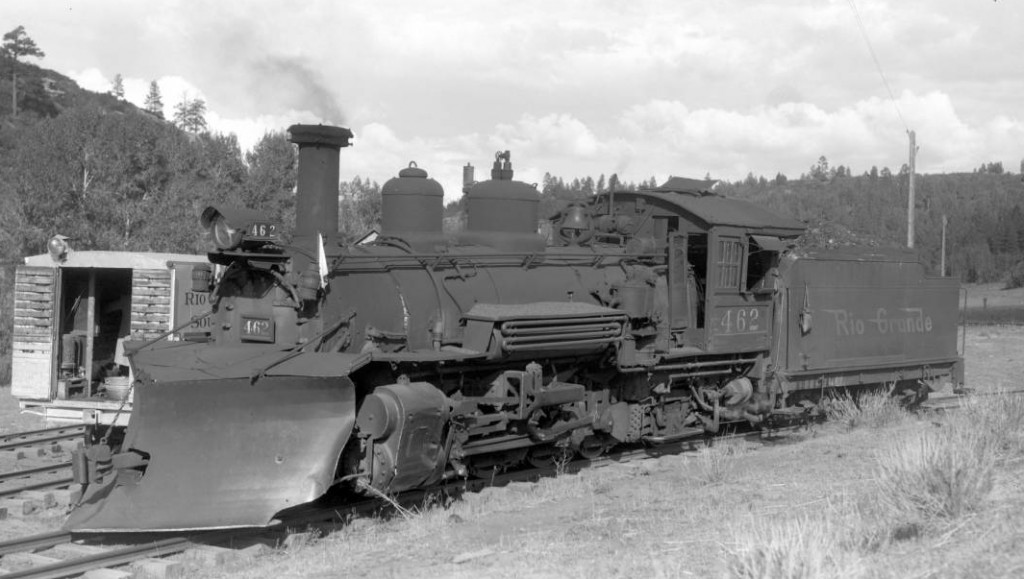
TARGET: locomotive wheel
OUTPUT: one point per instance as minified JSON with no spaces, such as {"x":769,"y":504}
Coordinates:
{"x":548,"y":456}
{"x":594,"y":446}
{"x":487,"y":466}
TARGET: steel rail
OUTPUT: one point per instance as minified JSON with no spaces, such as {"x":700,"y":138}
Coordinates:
{"x":70,"y":430}
{"x":79,"y":565}
{"x":16,"y":474}
{"x":37,"y":441}
{"x":36,"y":486}
{"x":34,"y":542}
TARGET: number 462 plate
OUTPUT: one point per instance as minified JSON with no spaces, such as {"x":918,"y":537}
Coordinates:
{"x":257,"y":329}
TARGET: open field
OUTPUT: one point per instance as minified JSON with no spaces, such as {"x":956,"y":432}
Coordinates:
{"x":991,"y":304}
{"x":993,"y":295}
{"x":840,"y":500}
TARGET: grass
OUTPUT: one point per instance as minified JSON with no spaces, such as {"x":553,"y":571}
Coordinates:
{"x":932,"y":477}
{"x":813,"y":508}
{"x":871,"y":409}
{"x":799,"y":548}
{"x":714,"y":462}
{"x":945,"y":473}
{"x":995,"y":315}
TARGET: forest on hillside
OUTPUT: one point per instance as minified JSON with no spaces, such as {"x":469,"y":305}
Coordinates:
{"x":110,"y":175}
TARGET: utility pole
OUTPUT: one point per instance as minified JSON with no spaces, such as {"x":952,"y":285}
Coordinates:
{"x":942,"y":268}
{"x":910,"y":197}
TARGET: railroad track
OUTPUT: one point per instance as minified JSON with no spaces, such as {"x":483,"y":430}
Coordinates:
{"x":14,"y":482}
{"x":31,"y":438}
{"x":41,"y":473}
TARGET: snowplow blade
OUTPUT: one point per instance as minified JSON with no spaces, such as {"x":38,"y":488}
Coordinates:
{"x":224,"y":453}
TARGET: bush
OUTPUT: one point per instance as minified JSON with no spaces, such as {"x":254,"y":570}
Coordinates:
{"x":715,"y":462}
{"x":1015,"y":278}
{"x":789,"y":549}
{"x":998,"y":416}
{"x":939,"y":474}
{"x":875,"y":409}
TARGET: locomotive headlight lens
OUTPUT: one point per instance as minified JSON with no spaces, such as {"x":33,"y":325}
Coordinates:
{"x":225,"y":236}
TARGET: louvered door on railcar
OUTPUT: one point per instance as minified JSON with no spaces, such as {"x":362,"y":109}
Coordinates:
{"x":33,"y":359}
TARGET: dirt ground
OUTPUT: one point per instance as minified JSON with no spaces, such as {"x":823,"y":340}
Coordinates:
{"x":11,"y":418}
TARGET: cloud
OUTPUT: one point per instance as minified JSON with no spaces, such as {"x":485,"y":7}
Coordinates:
{"x":575,"y":88}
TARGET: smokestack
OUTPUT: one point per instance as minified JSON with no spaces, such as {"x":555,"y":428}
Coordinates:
{"x":316,"y":205}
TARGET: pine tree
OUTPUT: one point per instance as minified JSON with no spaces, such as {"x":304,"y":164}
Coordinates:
{"x":190,"y":115}
{"x":117,"y":88}
{"x":154,"y":104}
{"x":16,"y":45}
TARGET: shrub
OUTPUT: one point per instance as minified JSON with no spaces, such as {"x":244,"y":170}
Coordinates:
{"x":875,"y":409}
{"x":938,"y":474}
{"x":790,"y":549}
{"x":998,"y":416}
{"x":714,"y":462}
{"x":1015,"y":277}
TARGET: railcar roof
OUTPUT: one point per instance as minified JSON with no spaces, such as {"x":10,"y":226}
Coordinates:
{"x":695,"y":197}
{"x":114,"y":259}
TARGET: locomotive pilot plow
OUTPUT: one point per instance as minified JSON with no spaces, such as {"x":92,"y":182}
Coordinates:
{"x":222,"y":452}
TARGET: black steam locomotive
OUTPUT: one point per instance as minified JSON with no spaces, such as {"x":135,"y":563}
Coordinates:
{"x":653,"y":316}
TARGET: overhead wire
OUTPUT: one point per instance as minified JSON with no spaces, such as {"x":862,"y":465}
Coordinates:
{"x":878,"y":64}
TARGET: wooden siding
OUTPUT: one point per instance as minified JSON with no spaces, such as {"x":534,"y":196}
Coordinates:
{"x":151,"y":303}
{"x":32,"y":352}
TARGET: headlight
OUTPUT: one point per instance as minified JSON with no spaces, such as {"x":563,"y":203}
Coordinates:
{"x":225,"y":236}
{"x":233,"y":227}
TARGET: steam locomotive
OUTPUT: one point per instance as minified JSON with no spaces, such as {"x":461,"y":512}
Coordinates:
{"x":652,"y":316}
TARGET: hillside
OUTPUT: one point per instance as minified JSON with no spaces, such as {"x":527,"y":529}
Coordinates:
{"x":984,"y":212}
{"x":44,"y":93}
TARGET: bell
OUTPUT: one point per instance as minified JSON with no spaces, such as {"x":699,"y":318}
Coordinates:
{"x":575,"y":227}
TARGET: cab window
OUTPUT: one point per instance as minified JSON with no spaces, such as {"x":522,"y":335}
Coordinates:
{"x":730,"y":262}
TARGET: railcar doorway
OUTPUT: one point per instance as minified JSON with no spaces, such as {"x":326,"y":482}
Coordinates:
{"x":94,"y":320}
{"x":72,"y":318}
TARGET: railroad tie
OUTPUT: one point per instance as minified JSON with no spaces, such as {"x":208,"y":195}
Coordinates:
{"x":158,"y":569}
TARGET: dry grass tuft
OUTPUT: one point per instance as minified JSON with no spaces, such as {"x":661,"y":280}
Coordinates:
{"x":873,"y":409}
{"x":715,"y":463}
{"x":789,"y":549}
{"x":1001,"y":417}
{"x":940,"y":474}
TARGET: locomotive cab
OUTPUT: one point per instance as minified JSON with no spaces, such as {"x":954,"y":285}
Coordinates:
{"x":704,"y":272}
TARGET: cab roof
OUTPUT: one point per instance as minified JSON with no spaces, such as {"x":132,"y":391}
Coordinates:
{"x":695,"y":198}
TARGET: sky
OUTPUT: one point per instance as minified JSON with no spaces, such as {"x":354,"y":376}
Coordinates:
{"x":645,"y":88}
